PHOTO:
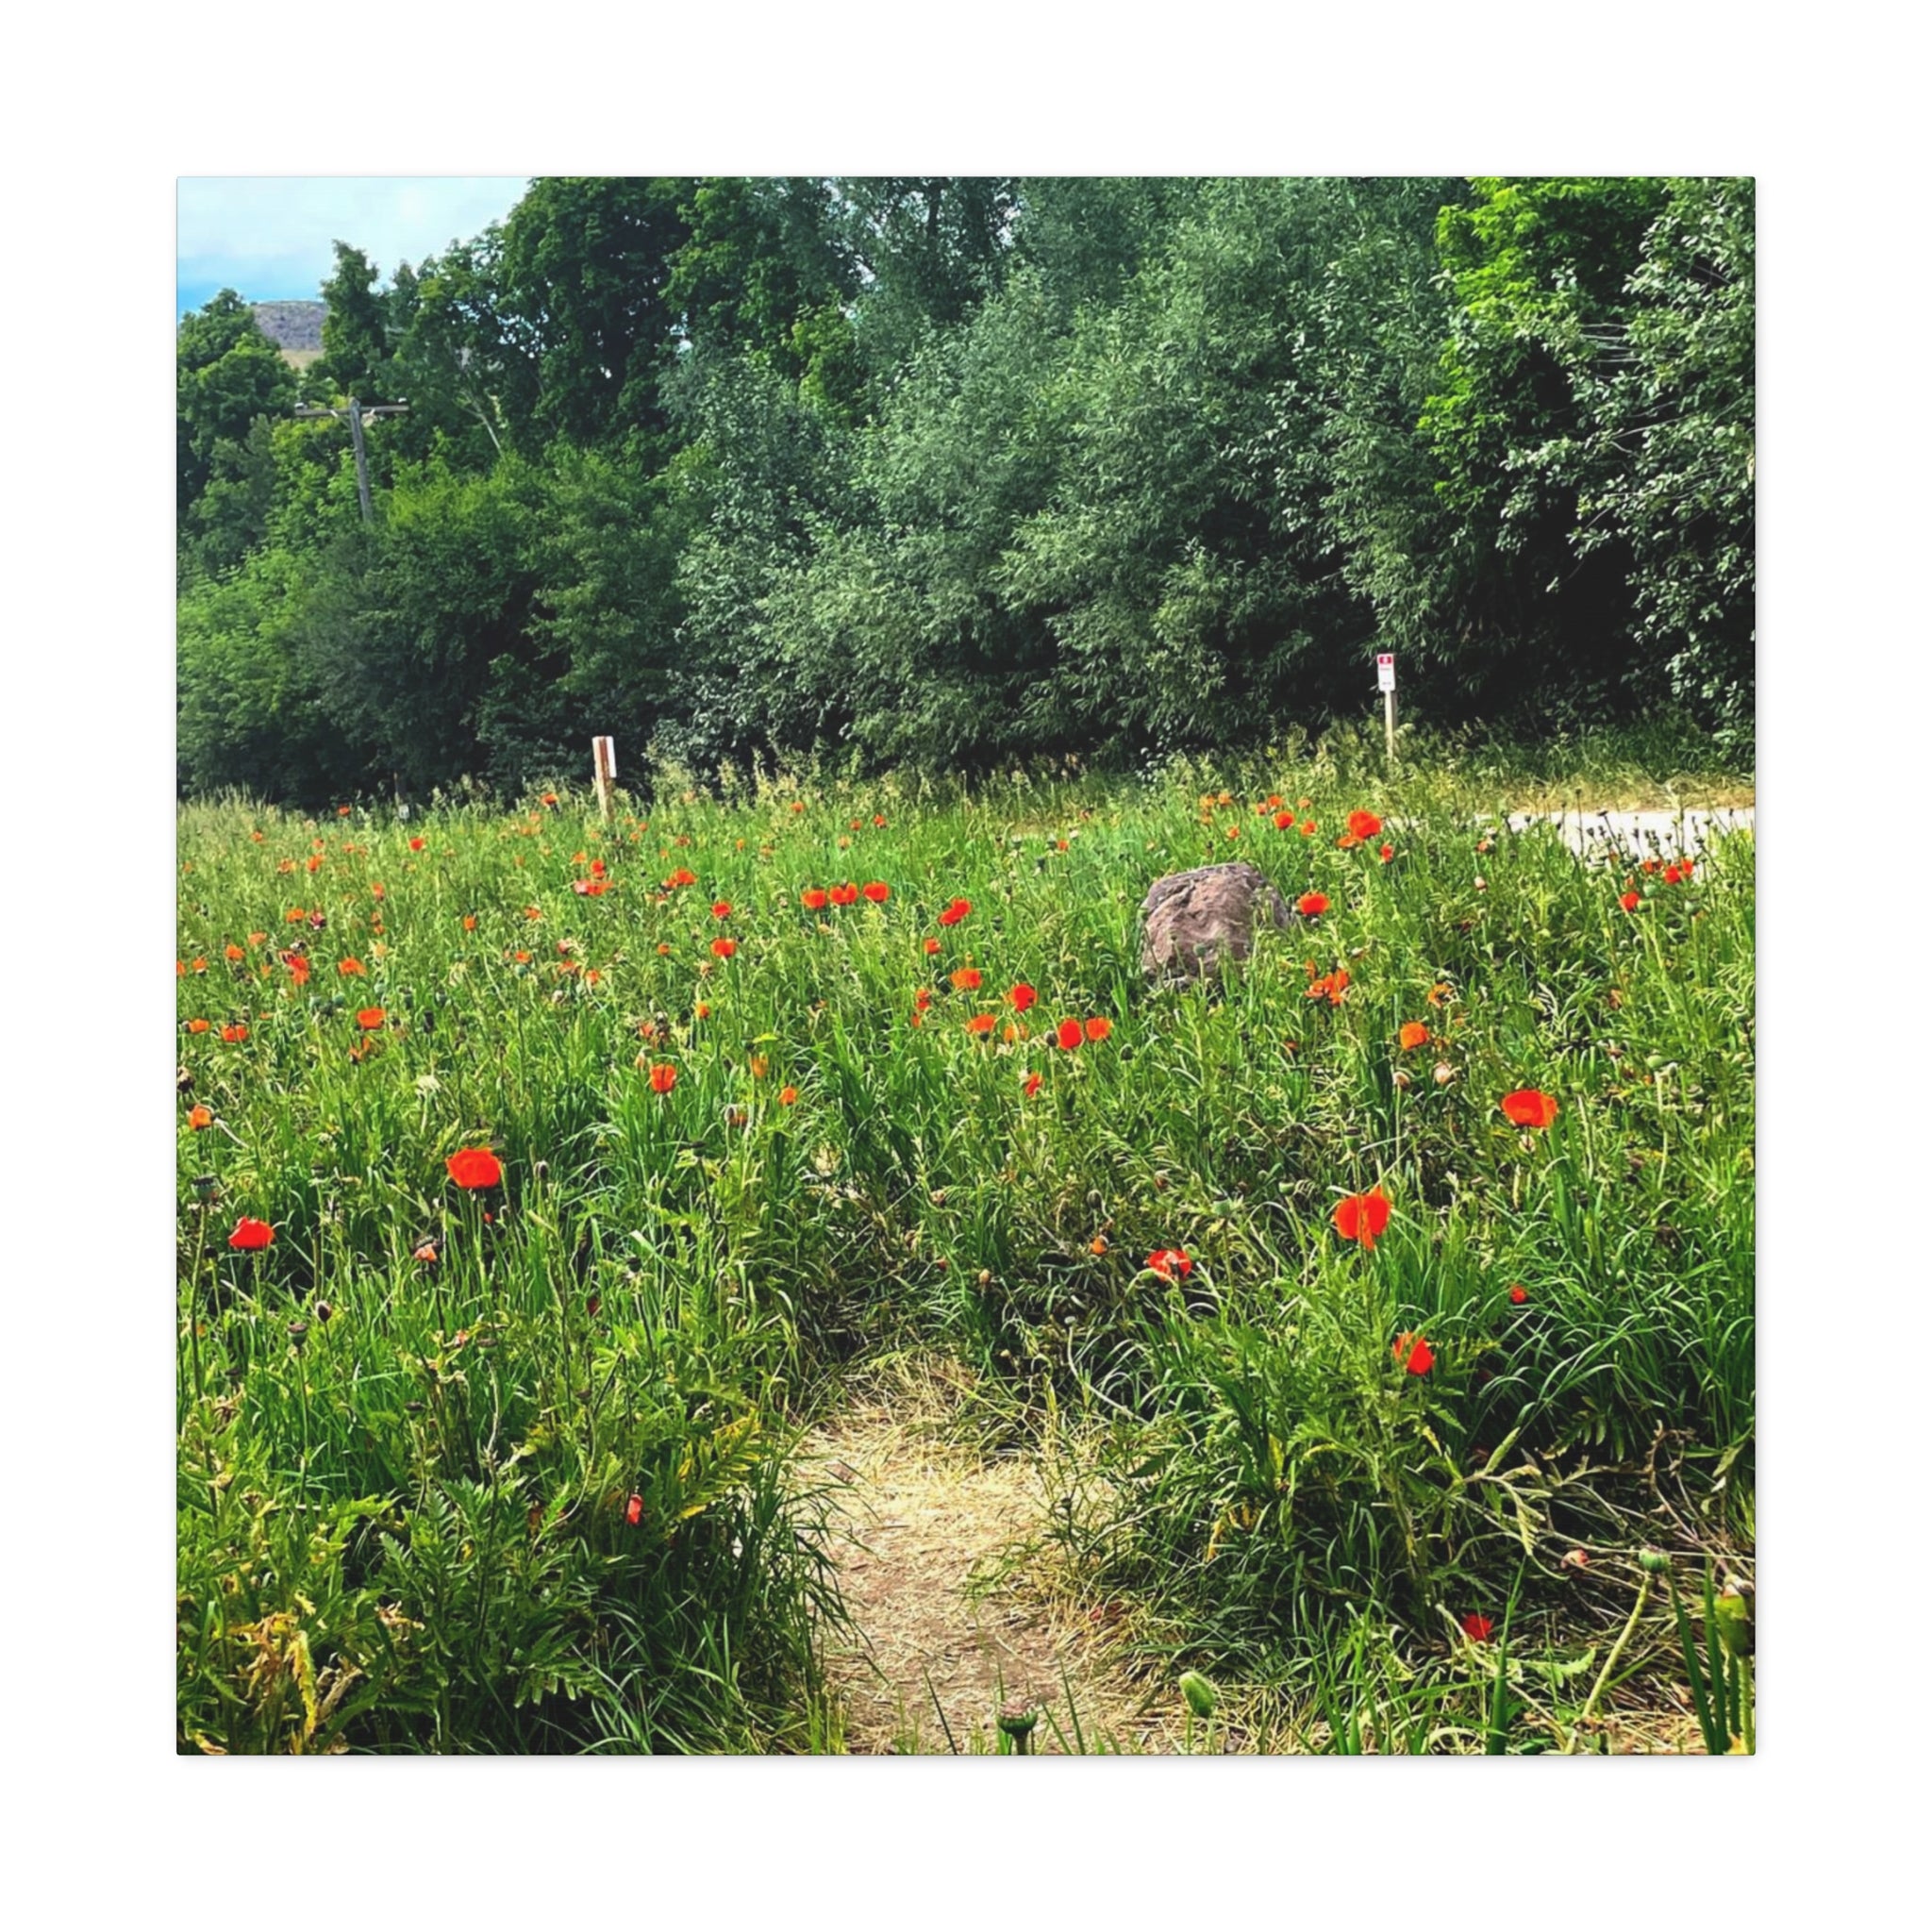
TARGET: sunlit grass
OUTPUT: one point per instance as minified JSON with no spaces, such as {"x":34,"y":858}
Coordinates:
{"x":507,"y":1468}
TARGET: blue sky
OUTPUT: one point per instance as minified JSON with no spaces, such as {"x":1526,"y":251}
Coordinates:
{"x":271,"y":236}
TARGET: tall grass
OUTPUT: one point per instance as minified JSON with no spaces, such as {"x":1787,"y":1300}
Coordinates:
{"x":409,"y":1484}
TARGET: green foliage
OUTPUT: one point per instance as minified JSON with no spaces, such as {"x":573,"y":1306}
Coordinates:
{"x":954,"y":472}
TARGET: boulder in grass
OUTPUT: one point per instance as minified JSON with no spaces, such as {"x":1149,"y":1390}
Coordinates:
{"x":1195,"y":923}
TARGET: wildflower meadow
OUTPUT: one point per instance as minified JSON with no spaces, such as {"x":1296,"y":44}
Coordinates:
{"x":1378,"y":1315}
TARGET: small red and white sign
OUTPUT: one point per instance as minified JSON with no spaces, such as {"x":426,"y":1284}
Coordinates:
{"x":1385,"y":670}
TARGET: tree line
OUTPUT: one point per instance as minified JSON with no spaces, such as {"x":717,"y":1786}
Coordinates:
{"x":951,"y":472}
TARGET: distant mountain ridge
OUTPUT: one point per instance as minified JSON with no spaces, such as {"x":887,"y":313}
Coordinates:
{"x":293,"y":328}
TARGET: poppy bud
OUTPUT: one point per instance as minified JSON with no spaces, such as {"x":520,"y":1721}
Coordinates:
{"x":1654,"y":1561}
{"x":1017,"y":1722}
{"x":1199,"y":1694}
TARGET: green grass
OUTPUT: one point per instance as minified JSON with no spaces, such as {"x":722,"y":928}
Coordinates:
{"x":406,"y":1486}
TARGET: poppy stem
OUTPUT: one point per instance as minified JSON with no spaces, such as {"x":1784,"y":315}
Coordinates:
{"x":1603,"y":1676}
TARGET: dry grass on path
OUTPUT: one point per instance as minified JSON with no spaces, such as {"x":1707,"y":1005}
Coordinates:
{"x":958,"y":1609}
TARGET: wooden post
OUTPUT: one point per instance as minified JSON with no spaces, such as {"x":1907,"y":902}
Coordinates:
{"x":1389,"y":722}
{"x":603,"y":755}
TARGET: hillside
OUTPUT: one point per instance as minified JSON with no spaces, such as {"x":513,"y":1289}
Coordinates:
{"x":295,"y":327}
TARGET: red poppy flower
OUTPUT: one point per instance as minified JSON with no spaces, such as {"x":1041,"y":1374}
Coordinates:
{"x":1284,"y":822}
{"x":370,"y":1018}
{"x":722,"y":909}
{"x":1022,"y":997}
{"x":1415,"y":1355}
{"x":956,"y":911}
{"x":1307,"y":828}
{"x":1413,"y":1033}
{"x":931,"y":945}
{"x":663,"y":1078}
{"x":250,"y":1234}
{"x":1362,"y":1216}
{"x":1030,"y":1086}
{"x":813,"y":899}
{"x":341,"y":811}
{"x":1070,"y":1033}
{"x":923,"y":998}
{"x":1386,"y":854}
{"x":1311,"y":905}
{"x":878,"y":892}
{"x":1099,"y":1028}
{"x":416,"y":844}
{"x":1478,"y":1628}
{"x":981,"y":1024}
{"x":1519,"y":1294}
{"x":474,"y":1166}
{"x":634,"y":1511}
{"x":1672,"y":875}
{"x":1631,"y":901}
{"x":1170,"y":1262}
{"x":966,"y":979}
{"x":1364,"y":825}
{"x":1528,"y":1109}
{"x":234,"y":1034}
{"x":723,"y":948}
{"x":845,"y":894}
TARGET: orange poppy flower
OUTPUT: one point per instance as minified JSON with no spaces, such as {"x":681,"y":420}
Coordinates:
{"x":1362,"y":1216}
{"x":1030,"y":1086}
{"x":474,"y":1166}
{"x":1528,"y":1107}
{"x":1068,"y":1033}
{"x":787,"y":1095}
{"x":1309,"y":828}
{"x":255,"y":939}
{"x":663,"y":1078}
{"x":200,"y":1117}
{"x":1364,"y":825}
{"x":931,"y":946}
{"x":232,"y":952}
{"x":878,"y":892}
{"x":1099,"y":1028}
{"x":1284,"y":822}
{"x":251,"y":1234}
{"x":298,"y":969}
{"x":966,"y":979}
{"x":197,"y":1025}
{"x":1347,"y":843}
{"x":426,"y":1254}
{"x":701,"y":1012}
{"x":723,"y":948}
{"x":981,"y":1024}
{"x":348,"y":967}
{"x":234,"y":1034}
{"x":1311,"y":905}
{"x":1413,"y":1033}
{"x":370,"y":1018}
{"x":1098,"y":1246}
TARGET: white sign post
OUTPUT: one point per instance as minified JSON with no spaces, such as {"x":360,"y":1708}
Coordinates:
{"x":603,"y":753}
{"x":1385,"y":683}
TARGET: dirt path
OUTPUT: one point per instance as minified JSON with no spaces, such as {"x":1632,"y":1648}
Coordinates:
{"x":948,"y":1628}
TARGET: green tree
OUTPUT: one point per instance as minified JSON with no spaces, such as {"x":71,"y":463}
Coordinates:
{"x":582,"y":277}
{"x":226,"y":375}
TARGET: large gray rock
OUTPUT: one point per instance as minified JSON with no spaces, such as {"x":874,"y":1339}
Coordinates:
{"x":1194,"y":922}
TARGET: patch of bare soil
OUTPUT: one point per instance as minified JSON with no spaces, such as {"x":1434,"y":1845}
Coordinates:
{"x":956,"y":1606}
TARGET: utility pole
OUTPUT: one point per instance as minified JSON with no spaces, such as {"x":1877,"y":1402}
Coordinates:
{"x":356,"y":414}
